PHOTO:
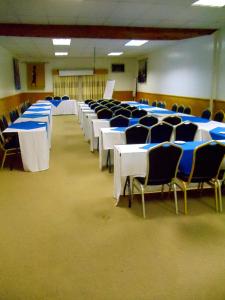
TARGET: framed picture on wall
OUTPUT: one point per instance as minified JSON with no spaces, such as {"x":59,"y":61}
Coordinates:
{"x":142,"y":70}
{"x":16,"y":72}
{"x":35,"y":76}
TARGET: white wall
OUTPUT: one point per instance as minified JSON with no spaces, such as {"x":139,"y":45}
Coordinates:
{"x":221,"y":77}
{"x":182,"y":69}
{"x":7,"y":86}
{"x":124,"y":81}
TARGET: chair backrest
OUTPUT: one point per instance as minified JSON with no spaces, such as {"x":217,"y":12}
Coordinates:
{"x":115,"y":102}
{"x":12,"y":116}
{"x":173,"y":120}
{"x":187,"y":110}
{"x":115,"y":107}
{"x":109,"y":105}
{"x":104,"y":113}
{"x":185,"y":131}
{"x":122,"y":111}
{"x":57,"y":98}
{"x":88,"y":101}
{"x":2,"y":125}
{"x":148,"y":120}
{"x":125,"y":105}
{"x":174,"y":107}
{"x":100,"y":100}
{"x":119,"y":121}
{"x":138,"y":113}
{"x":65,"y":97}
{"x":154,"y":103}
{"x":219,"y":116}
{"x":160,"y":169}
{"x":23,"y":108}
{"x":163,"y":104}
{"x":5,"y":122}
{"x":91,"y":102}
{"x":93,"y":105}
{"x":99,"y":107}
{"x":136,"y":134}
{"x":160,"y":132}
{"x":48,"y":98}
{"x":180,"y":109}
{"x":159,"y":104}
{"x":131,"y":108}
{"x":207,"y":160}
{"x":206,"y":114}
{"x":17,"y":113}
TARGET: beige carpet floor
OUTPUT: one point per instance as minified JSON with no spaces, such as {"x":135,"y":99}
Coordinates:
{"x":62,"y":238}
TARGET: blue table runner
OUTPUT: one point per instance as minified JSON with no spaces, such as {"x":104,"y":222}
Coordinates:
{"x":29,"y":125}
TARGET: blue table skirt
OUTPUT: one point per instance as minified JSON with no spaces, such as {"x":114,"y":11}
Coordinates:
{"x":163,"y":112}
{"x":218,"y":133}
{"x":41,"y":109}
{"x":29,"y":125}
{"x":187,"y":156}
{"x":194,"y":119}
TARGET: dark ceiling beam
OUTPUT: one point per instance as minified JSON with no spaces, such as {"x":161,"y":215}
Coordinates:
{"x":100,"y":32}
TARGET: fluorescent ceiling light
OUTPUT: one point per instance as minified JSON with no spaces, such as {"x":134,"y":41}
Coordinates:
{"x":213,"y":3}
{"x":61,"y":41}
{"x":136,"y":43}
{"x":61,"y":53}
{"x":115,"y":53}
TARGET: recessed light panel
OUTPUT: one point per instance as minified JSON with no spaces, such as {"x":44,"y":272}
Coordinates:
{"x":61,"y":53}
{"x":115,"y":53}
{"x":136,"y":43}
{"x":212,"y":3}
{"x":61,"y":42}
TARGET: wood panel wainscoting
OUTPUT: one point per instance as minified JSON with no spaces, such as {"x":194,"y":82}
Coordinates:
{"x":123,"y":95}
{"x":197,"y":104}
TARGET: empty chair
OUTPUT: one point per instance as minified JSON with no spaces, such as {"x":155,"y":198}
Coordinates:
{"x":136,"y":134}
{"x":109,"y":105}
{"x":115,"y":102}
{"x":154,"y":103}
{"x":2,"y":125}
{"x":23,"y":109}
{"x":115,"y":107}
{"x":5,"y":122}
{"x":104,"y":113}
{"x":123,"y":112}
{"x":17,"y":113}
{"x":138,"y":113}
{"x":9,"y":146}
{"x":125,"y":105}
{"x":131,"y":108}
{"x":219,"y":116}
{"x":163,"y":104}
{"x":12,"y":116}
{"x":173,"y":120}
{"x":148,"y":120}
{"x":93,"y":105}
{"x":159,"y":170}
{"x":159,"y":104}
{"x":160,"y":132}
{"x":48,"y":98}
{"x":174,"y":107}
{"x":88,"y":101}
{"x":91,"y":102}
{"x":185,"y":131}
{"x":119,"y":121}
{"x":65,"y":97}
{"x":187,"y":110}
{"x":56,"y":98}
{"x":206,"y":163}
{"x":100,"y":100}
{"x":206,"y":114}
{"x":180,"y":109}
{"x":99,"y":107}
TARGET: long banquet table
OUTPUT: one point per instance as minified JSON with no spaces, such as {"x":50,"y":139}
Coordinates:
{"x":34,"y":132}
{"x":61,"y":107}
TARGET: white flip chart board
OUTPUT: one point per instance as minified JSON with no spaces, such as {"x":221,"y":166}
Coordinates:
{"x":109,"y":89}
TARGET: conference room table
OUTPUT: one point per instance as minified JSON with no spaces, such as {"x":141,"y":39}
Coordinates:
{"x":34,"y":133}
{"x":131,"y":160}
{"x":61,"y":107}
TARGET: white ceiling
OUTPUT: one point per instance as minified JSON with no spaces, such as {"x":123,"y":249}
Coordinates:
{"x":137,"y":13}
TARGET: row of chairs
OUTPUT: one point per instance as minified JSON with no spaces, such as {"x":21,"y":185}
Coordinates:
{"x":65,"y":97}
{"x":9,"y":142}
{"x":205,"y":169}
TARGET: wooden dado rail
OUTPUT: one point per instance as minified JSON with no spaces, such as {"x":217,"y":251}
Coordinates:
{"x":198,"y":105}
